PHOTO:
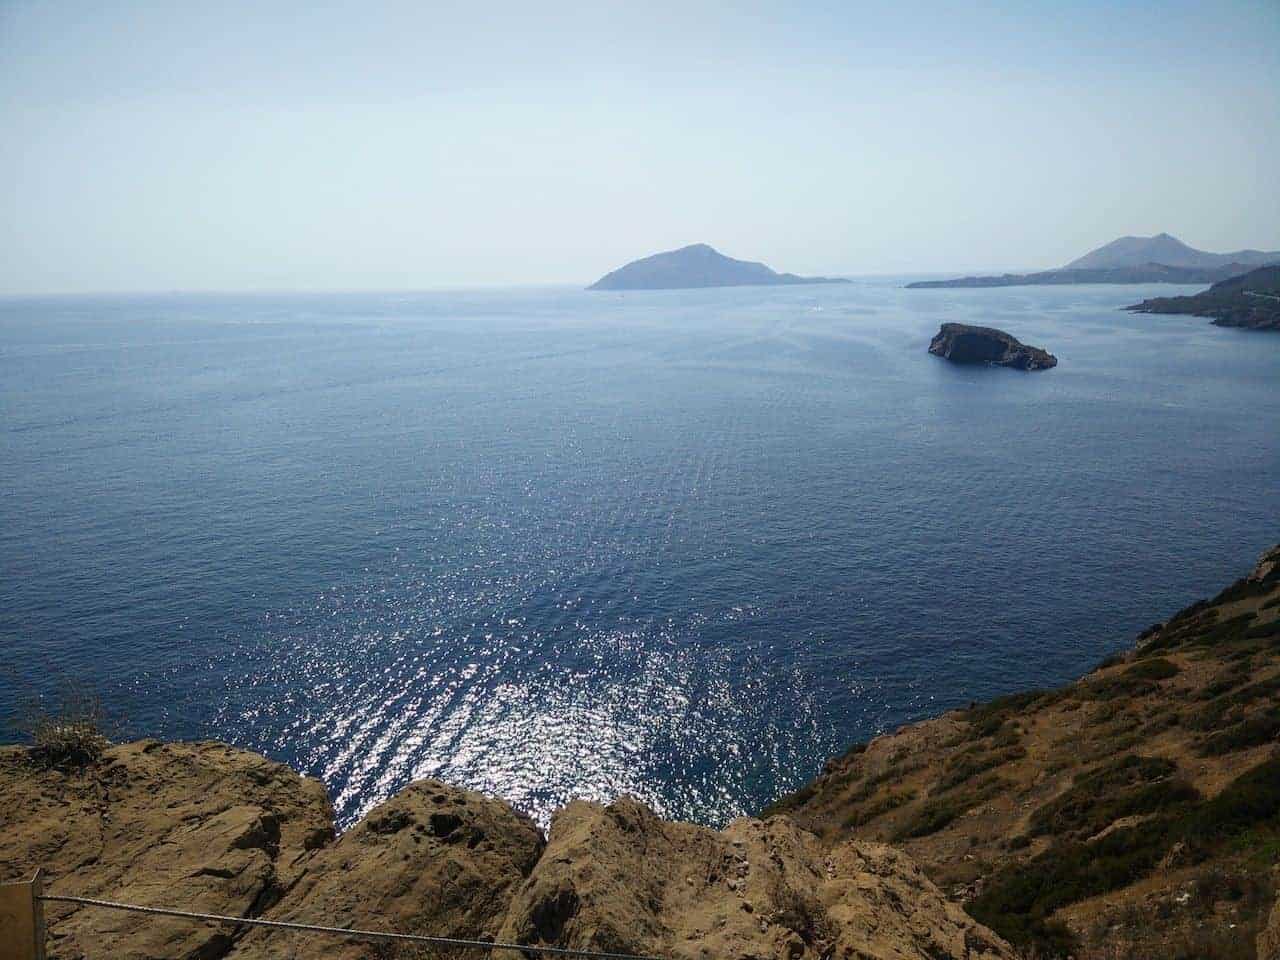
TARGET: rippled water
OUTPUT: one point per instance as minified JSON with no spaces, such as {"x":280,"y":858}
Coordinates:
{"x":550,"y":543}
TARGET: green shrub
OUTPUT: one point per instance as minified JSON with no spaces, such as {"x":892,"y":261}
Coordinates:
{"x":890,"y":801}
{"x":1020,"y":898}
{"x":1125,"y":787}
{"x":1143,"y":677}
{"x":1251,"y":800}
{"x":1251,"y":732}
{"x":1242,"y":589}
{"x":1228,"y":631}
{"x":989,"y":717}
{"x":939,"y":812}
{"x":1264,"y":631}
{"x":967,"y":765}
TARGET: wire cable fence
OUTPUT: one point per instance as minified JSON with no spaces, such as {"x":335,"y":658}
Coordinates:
{"x":355,"y":934}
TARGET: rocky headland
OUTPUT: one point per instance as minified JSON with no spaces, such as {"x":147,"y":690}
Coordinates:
{"x":962,"y":343}
{"x":1251,"y":301}
{"x":1135,"y":813}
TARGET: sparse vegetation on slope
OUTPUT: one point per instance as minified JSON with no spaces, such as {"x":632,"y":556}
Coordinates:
{"x":1090,"y":820}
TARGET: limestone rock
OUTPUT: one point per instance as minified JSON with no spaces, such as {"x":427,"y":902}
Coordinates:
{"x":1269,"y":936}
{"x":962,"y":343}
{"x":198,"y":825}
{"x":618,"y":878}
{"x":432,"y":860}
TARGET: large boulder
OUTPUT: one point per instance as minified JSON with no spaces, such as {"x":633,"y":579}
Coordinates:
{"x":962,"y":343}
{"x":433,"y":860}
{"x":201,"y":826}
{"x":617,"y":878}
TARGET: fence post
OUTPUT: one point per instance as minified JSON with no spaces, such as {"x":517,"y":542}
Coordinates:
{"x":22,"y":920}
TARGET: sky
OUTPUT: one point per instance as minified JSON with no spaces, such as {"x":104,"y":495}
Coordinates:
{"x":316,"y":146}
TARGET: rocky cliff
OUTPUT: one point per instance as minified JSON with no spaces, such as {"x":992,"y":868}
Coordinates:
{"x":211,"y":829}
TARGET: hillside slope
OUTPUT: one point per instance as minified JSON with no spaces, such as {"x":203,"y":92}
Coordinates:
{"x":1135,"y":812}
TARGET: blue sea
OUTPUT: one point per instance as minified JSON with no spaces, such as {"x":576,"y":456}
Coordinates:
{"x":548,"y":543}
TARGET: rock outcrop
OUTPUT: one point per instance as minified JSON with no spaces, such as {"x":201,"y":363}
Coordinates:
{"x":208,"y":828}
{"x":962,"y":343}
{"x":433,"y":859}
{"x":1268,"y":946}
{"x":617,"y":878}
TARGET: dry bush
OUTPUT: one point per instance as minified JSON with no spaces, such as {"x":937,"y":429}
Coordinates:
{"x":64,"y":730}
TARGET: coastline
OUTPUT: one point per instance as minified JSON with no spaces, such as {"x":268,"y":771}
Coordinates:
{"x":977,"y":797}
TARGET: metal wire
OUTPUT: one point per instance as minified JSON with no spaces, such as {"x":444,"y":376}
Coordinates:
{"x":342,"y":931}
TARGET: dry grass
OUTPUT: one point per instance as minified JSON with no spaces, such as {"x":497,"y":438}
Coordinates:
{"x":64,"y":730}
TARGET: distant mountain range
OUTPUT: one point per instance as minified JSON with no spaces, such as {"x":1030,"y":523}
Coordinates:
{"x":1158,"y":259}
{"x":1166,"y":250}
{"x":696,"y":266}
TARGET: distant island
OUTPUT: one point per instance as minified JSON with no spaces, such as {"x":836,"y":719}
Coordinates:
{"x":962,"y":343}
{"x":697,"y":266}
{"x":1251,"y":301}
{"x":1158,"y":259}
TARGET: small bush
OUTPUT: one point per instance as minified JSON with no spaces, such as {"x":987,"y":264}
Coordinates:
{"x":967,"y":765}
{"x":1250,"y":800}
{"x":1019,"y":898}
{"x":1252,"y":732}
{"x":878,"y":808}
{"x":1241,"y":590}
{"x":66,"y":733}
{"x":1143,"y":677}
{"x":1127,"y":787}
{"x":937,"y":813}
{"x":1264,"y":631}
{"x":989,"y":717}
{"x":1228,"y":631}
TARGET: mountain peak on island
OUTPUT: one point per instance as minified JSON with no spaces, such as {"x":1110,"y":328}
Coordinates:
{"x":694,"y":266}
{"x":1166,"y":250}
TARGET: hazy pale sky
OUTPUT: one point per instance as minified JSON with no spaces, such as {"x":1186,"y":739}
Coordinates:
{"x":203,"y":146}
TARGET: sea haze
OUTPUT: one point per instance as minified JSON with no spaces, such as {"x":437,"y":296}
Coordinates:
{"x":552,"y":543}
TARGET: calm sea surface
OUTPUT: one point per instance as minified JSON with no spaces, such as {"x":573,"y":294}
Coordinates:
{"x":550,"y":543}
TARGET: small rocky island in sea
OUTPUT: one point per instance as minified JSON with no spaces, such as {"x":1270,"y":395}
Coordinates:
{"x":1251,"y":301}
{"x":697,"y":266}
{"x":1158,"y":259}
{"x":962,"y":343}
